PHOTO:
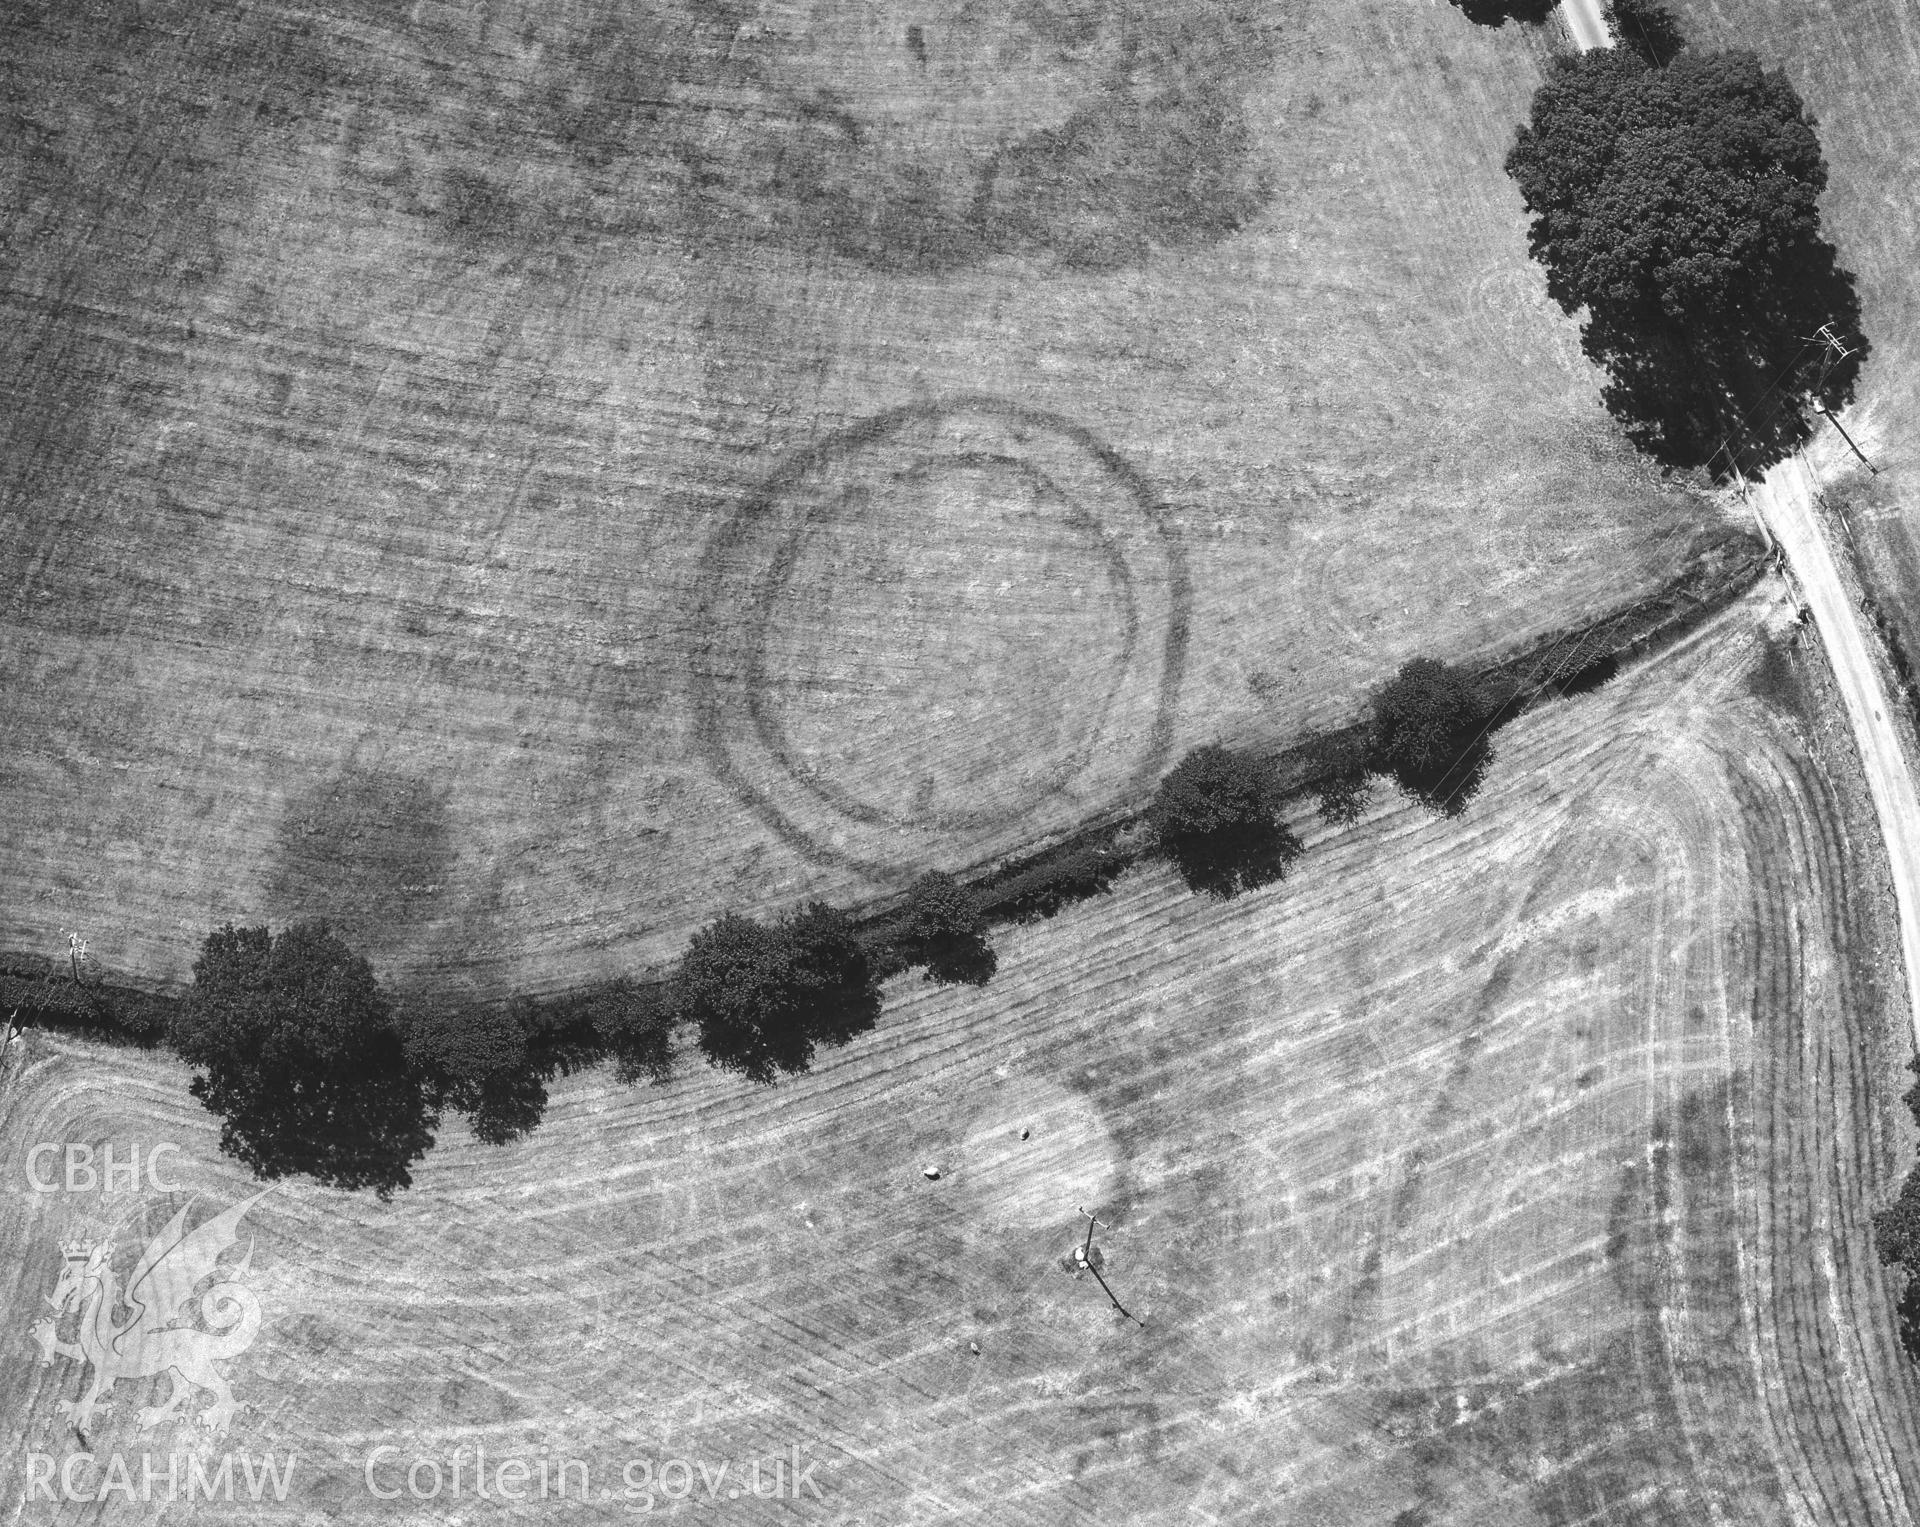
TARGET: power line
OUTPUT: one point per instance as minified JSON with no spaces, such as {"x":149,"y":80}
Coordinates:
{"x":1467,"y":749}
{"x":1740,"y":423}
{"x":1835,"y":351}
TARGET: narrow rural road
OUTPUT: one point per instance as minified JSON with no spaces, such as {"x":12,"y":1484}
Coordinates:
{"x":1588,"y":23}
{"x":1785,"y":503}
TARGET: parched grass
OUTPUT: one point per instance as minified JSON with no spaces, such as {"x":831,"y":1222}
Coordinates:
{"x":1509,"y":1169}
{"x":375,"y":390}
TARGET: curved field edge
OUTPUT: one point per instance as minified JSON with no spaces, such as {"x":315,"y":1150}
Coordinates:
{"x":1854,"y":63}
{"x":1516,"y":1168}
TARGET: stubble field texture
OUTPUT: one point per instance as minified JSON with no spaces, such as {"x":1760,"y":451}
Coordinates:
{"x":519,"y":479}
{"x":1508,"y":1170}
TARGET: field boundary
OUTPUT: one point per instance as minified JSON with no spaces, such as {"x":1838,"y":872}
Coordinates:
{"x":1723,"y":563}
{"x":1789,"y":500}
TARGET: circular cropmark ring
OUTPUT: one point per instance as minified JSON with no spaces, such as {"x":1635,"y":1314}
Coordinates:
{"x":938,"y":633}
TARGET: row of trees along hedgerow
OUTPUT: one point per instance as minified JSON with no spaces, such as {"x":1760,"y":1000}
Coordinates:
{"x":1216,"y":815}
{"x":1674,"y":195}
{"x":314,"y":1069}
{"x":763,"y":997}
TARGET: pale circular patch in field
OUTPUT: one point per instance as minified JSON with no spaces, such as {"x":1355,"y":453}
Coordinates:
{"x":1068,"y":1161}
{"x":1520,"y":316}
{"x":949,"y":628}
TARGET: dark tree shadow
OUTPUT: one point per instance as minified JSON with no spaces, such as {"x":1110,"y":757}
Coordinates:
{"x":478,"y":1059}
{"x":765,"y":998}
{"x":1743,"y":396}
{"x":962,"y":960}
{"x":784,"y":1038}
{"x":1586,"y":680}
{"x":1343,"y":775}
{"x":1448,"y":788}
{"x":1041,"y":889}
{"x":1909,"y":1314}
{"x":1677,"y":205}
{"x":294,"y":1046}
{"x":354,"y":1128}
{"x":1648,"y":28}
{"x":635,"y":1023}
{"x":942,"y":927}
{"x":1493,"y":13}
{"x":506,"y":1107}
{"x":1344,"y":798}
{"x":836,"y":1017}
{"x":1223,"y":864}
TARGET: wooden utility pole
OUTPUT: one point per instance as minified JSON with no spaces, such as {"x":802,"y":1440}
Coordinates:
{"x":1084,"y":1256}
{"x":1835,"y":351}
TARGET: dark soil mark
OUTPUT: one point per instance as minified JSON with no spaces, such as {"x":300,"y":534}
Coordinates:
{"x":368,"y":851}
{"x":1651,"y":1421}
{"x":609,"y":117}
{"x":1776,"y":677}
{"x":862,"y":473}
{"x":1123,"y":176}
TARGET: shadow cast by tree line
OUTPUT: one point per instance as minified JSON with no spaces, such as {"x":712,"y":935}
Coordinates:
{"x":314,"y":1069}
{"x":1493,"y":13}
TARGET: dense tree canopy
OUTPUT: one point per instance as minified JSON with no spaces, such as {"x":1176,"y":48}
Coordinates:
{"x":1342,"y":775}
{"x":475,"y":1059}
{"x":764,"y":997}
{"x":944,"y":930}
{"x":1214,"y":816}
{"x":1429,"y":731}
{"x":1896,"y":1228}
{"x":295,"y":1051}
{"x":1679,"y":206}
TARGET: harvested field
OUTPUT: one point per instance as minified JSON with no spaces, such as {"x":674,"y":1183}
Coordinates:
{"x":1513,"y":1169}
{"x":518,"y":479}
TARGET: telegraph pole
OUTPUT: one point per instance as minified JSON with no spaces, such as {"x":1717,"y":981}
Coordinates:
{"x":1083,"y":1256}
{"x":1088,"y":1247}
{"x":1834,"y":351}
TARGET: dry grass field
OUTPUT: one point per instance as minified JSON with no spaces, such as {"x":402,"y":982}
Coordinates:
{"x":518,"y":478}
{"x":1505,"y":1170}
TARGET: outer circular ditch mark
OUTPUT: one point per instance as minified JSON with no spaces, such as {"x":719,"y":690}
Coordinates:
{"x":775,"y":735}
{"x":876,"y":689}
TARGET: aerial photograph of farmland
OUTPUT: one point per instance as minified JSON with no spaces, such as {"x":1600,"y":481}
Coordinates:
{"x":874,"y":763}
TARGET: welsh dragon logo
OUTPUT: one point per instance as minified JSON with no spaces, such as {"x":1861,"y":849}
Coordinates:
{"x":148,"y":1331}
